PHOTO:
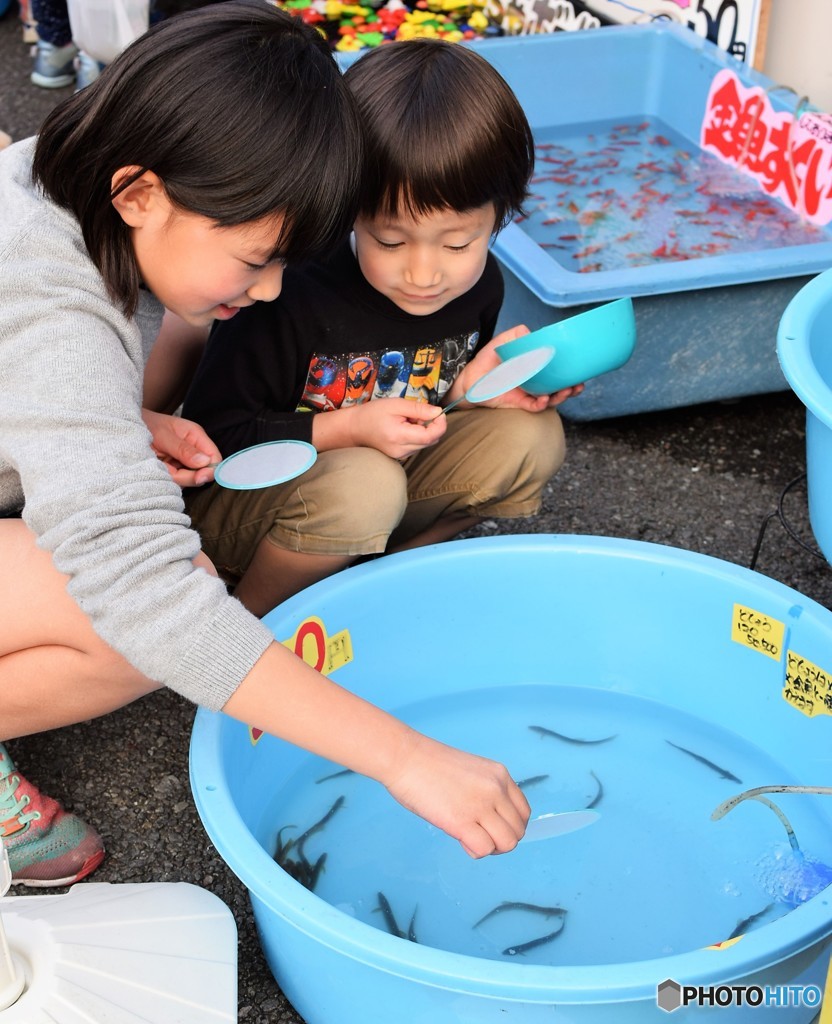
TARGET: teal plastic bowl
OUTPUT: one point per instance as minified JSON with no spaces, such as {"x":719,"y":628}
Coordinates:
{"x":805,"y":354}
{"x":586,"y":345}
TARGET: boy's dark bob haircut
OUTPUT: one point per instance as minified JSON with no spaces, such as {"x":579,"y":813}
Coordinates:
{"x":442,"y":130}
{"x":241,"y":111}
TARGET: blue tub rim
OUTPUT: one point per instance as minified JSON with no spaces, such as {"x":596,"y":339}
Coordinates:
{"x":793,"y":347}
{"x":799,"y":930}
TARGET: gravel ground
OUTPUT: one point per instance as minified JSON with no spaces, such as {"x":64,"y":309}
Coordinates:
{"x":700,"y":478}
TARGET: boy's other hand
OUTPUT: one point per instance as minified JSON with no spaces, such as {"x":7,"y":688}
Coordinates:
{"x":486,"y":359}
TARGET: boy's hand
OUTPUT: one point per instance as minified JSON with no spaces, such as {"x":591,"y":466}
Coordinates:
{"x":183,"y":446}
{"x":486,"y":359}
{"x":398,"y":427}
{"x":469,"y":797}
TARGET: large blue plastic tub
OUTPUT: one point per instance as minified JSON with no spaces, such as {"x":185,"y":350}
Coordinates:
{"x":804,"y":347}
{"x":640,"y":624}
{"x":707,"y":326}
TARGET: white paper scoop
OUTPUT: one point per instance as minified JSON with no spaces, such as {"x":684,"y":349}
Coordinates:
{"x":263,"y":465}
{"x":510,"y":374}
{"x":546,"y":826}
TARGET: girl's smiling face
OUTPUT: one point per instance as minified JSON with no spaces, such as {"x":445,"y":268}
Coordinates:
{"x":423,"y":263}
{"x":194,"y":267}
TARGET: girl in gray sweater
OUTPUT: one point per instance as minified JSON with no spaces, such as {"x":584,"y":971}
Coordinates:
{"x":219,"y":146}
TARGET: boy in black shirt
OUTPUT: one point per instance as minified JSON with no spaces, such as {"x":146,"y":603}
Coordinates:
{"x":405,"y":311}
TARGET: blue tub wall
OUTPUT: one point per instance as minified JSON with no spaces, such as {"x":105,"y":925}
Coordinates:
{"x":658,"y":626}
{"x":588,"y":612}
{"x":805,"y":351}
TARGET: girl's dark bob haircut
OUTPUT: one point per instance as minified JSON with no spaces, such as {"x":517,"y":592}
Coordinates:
{"x":442,"y":130}
{"x":241,"y":111}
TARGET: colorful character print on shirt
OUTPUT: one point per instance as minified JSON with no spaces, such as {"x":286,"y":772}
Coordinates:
{"x":422,"y":374}
{"x":361,"y":376}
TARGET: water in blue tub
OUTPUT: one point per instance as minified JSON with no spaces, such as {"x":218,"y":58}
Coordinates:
{"x":636,"y":193}
{"x":652,"y":877}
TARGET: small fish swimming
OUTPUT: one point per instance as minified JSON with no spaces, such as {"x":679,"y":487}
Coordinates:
{"x":746,"y":923}
{"x":597,"y":798}
{"x":339,"y":803}
{"x":531,"y":781}
{"x":722,"y":772}
{"x":392,"y":923}
{"x":335,"y":775}
{"x":567,"y":739}
{"x":524,"y":947}
{"x":531,"y":907}
{"x":291,"y":857}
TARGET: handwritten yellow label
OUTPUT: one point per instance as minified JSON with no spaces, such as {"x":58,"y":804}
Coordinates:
{"x":826,"y":1006}
{"x":725,"y":944}
{"x":807,"y":687}
{"x":324,"y":653}
{"x":758,"y":631}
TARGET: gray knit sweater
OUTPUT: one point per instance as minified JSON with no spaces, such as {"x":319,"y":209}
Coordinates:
{"x":76,"y":457}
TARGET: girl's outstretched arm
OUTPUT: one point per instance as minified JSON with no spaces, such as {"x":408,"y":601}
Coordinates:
{"x":471,"y":798}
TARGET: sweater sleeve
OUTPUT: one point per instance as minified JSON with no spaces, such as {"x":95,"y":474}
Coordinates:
{"x":96,"y":496}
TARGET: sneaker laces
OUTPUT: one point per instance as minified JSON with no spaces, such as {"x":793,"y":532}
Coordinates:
{"x":12,"y":806}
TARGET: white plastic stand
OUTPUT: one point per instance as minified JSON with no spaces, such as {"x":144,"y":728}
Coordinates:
{"x":154,"y":953}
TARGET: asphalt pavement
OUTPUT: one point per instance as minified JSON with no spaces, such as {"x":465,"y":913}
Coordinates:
{"x":701,"y":478}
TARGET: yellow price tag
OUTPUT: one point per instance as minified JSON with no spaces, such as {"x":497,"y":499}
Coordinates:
{"x":807,"y":687}
{"x":758,"y":631}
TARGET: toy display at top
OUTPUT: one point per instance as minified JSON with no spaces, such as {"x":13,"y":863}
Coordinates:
{"x":357,"y":26}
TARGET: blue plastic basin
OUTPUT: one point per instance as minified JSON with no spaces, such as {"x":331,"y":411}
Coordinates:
{"x":804,"y":347}
{"x":635,"y":619}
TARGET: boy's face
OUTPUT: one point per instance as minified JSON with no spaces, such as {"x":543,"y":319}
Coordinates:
{"x":423,"y":263}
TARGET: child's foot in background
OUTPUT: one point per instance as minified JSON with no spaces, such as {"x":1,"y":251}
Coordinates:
{"x":54,"y":65}
{"x":46,"y":845}
{"x":87,"y":69}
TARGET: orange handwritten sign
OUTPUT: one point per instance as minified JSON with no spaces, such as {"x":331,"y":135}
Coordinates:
{"x":791,"y":160}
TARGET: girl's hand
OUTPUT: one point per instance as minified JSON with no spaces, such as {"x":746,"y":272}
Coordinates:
{"x":469,"y":797}
{"x":183,"y":446}
{"x":398,"y":427}
{"x":486,"y":359}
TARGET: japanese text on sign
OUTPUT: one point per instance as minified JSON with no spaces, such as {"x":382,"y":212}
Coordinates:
{"x":807,"y":687}
{"x":758,"y":631}
{"x":787,"y":159}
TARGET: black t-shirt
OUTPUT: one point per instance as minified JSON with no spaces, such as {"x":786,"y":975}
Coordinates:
{"x":329,"y":340}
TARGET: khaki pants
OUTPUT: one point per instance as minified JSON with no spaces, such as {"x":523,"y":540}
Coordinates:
{"x":353,"y":501}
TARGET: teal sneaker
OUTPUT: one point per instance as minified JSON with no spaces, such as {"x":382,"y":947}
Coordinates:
{"x":46,"y":845}
{"x":54,"y":65}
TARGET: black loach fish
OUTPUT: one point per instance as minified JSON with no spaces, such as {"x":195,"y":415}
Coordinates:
{"x":392,"y":923}
{"x":745,"y":924}
{"x":722,"y":772}
{"x":531,"y":781}
{"x":531,"y":907}
{"x":597,"y":798}
{"x":567,"y":739}
{"x":524,"y":947}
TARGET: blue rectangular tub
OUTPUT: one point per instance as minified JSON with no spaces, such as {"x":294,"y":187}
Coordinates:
{"x":706,"y":327}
